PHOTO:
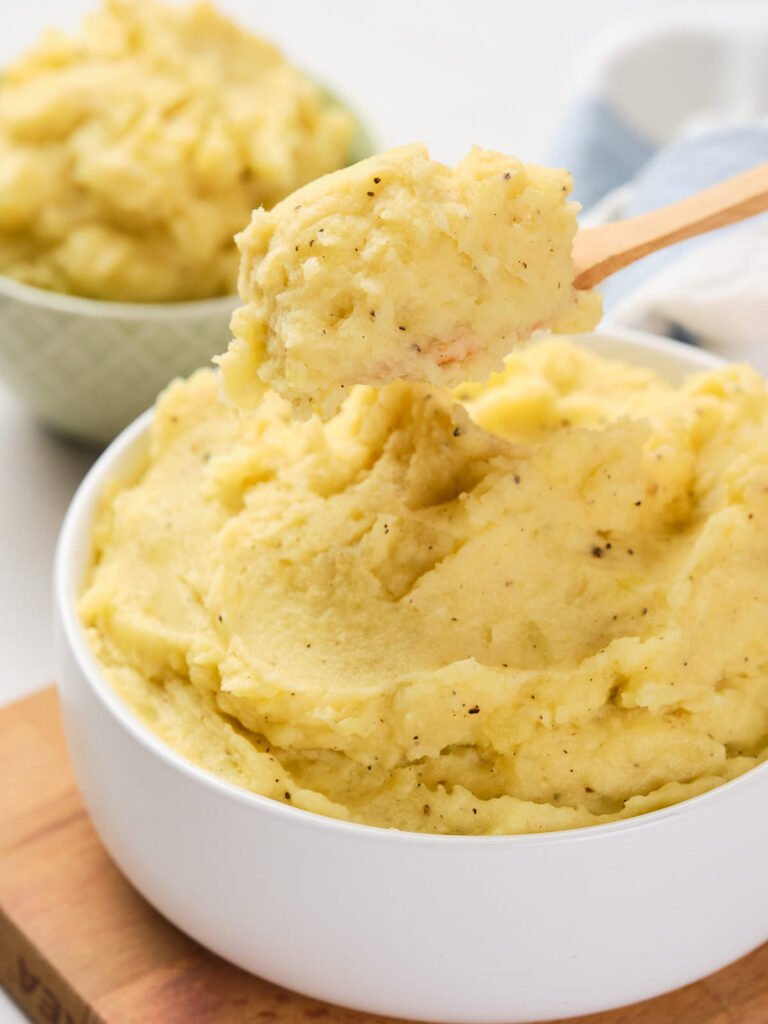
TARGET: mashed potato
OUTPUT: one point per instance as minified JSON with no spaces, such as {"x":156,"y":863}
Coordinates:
{"x":403,"y":268}
{"x":541,"y":609}
{"x":132,"y":152}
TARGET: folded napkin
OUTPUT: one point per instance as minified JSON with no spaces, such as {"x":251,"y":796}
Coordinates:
{"x":661,"y":116}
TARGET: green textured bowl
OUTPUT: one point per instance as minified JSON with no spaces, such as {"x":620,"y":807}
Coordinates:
{"x":86,"y":368}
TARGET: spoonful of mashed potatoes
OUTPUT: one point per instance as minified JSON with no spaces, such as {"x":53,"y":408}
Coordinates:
{"x":400,"y":267}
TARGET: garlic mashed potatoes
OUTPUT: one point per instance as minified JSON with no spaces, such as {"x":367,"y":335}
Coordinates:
{"x":540,"y":607}
{"x":133,"y":151}
{"x":400,"y":267}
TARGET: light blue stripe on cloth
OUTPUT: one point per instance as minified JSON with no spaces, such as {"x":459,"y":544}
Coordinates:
{"x":599,"y":149}
{"x":676,"y":171}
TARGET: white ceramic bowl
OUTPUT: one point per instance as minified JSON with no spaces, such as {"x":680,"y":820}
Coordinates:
{"x":440,"y":928}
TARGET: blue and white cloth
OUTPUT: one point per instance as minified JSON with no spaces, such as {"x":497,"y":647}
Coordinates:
{"x":661,"y":116}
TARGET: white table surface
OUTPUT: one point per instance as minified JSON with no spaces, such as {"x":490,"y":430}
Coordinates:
{"x":449,"y":72}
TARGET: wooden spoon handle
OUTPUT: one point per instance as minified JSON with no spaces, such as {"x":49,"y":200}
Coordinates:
{"x":602,"y":250}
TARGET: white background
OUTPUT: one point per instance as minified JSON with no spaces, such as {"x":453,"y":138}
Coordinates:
{"x":448,"y":72}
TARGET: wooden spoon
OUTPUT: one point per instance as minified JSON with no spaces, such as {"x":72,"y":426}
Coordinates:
{"x":602,"y":250}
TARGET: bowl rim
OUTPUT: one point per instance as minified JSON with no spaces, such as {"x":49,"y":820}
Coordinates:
{"x":66,"y":586}
{"x":80,"y":305}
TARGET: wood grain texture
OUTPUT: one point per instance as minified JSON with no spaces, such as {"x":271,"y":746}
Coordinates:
{"x":600,"y":251}
{"x":79,"y":946}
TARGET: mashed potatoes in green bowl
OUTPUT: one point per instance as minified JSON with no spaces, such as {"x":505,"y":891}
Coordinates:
{"x":133,"y":151}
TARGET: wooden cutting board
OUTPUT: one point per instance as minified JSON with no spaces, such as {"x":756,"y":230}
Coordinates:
{"x":79,"y":946}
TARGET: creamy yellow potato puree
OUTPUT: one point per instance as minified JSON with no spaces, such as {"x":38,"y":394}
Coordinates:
{"x":402,"y":268}
{"x":541,"y":609}
{"x":131,"y":152}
